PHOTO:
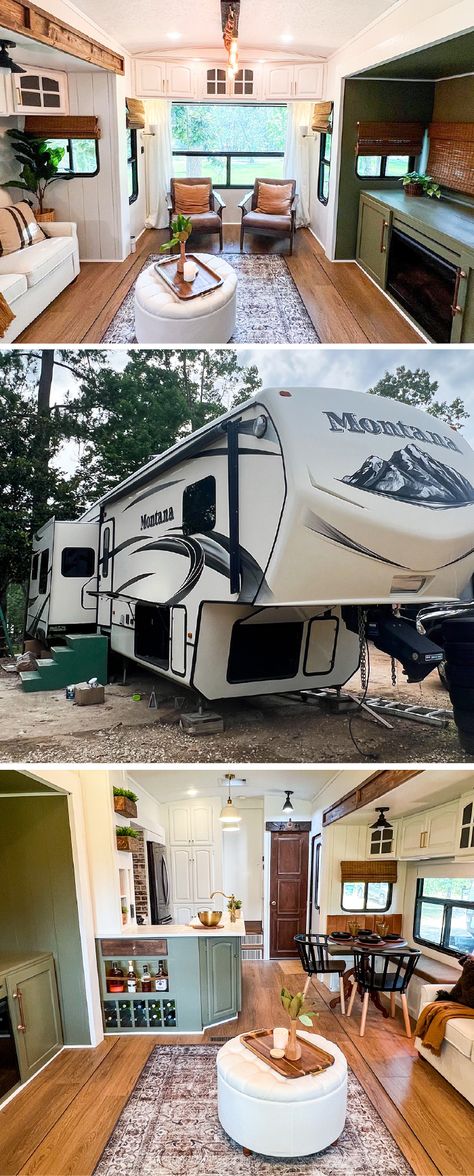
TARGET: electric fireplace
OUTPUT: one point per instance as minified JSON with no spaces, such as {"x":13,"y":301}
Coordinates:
{"x":424,"y":284}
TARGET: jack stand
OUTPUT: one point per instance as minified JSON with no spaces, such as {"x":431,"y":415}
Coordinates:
{"x":332,"y":701}
{"x":124,"y":673}
{"x":153,"y":705}
{"x":202,"y":721}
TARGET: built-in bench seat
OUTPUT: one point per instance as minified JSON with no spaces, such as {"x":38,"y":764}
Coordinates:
{"x":434,"y":972}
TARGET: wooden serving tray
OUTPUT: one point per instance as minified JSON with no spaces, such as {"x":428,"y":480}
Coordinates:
{"x":205,"y":281}
{"x":312,"y":1060}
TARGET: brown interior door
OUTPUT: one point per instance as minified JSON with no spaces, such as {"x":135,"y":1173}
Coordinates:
{"x":288,"y":891}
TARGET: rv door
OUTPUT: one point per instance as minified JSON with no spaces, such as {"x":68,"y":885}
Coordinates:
{"x":39,"y":589}
{"x":106,"y":573}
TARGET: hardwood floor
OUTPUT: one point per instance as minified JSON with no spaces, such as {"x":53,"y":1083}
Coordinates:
{"x":59,"y":1124}
{"x":342,"y":302}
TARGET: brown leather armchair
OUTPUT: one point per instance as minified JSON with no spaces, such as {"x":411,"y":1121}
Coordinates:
{"x":268,"y":223}
{"x":209,"y":221}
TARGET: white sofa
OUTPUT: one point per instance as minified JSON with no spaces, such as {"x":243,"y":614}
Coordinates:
{"x":456,"y":1061}
{"x":30,"y":279}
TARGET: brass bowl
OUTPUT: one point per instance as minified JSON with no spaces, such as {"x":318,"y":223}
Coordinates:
{"x":209,"y":918}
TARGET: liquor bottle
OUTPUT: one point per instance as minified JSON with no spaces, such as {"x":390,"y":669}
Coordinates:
{"x":131,"y":978}
{"x":115,"y":980}
{"x":161,"y":979}
{"x":146,"y":979}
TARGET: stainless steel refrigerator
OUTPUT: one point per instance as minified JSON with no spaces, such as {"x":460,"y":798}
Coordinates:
{"x":158,"y":878}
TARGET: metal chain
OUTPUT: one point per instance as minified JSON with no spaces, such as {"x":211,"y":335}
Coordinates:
{"x":362,"y":620}
{"x":394,"y":672}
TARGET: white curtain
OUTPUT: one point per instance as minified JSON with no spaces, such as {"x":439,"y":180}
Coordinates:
{"x":297,"y":156}
{"x":158,"y":161}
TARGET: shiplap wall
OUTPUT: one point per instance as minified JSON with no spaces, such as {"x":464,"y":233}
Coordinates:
{"x":348,"y":843}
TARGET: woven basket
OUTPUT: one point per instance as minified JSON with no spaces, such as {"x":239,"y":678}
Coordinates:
{"x":48,"y":214}
{"x":413,"y":189}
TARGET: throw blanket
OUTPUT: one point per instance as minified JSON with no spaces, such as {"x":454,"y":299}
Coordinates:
{"x":6,"y":316}
{"x":432,"y":1022}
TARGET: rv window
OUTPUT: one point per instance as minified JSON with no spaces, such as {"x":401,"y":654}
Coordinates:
{"x":444,"y":914}
{"x":43,"y":576}
{"x":77,"y":562}
{"x":264,"y":652}
{"x":199,"y":506}
{"x":366,"y":896}
{"x":105,"y":553}
{"x":34,"y":566}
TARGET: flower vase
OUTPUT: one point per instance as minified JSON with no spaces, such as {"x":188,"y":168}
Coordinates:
{"x":182,"y":257}
{"x":293,"y":1049}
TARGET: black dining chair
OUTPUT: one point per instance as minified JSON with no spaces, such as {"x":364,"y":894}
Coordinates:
{"x":315,"y":958}
{"x":376,"y":972}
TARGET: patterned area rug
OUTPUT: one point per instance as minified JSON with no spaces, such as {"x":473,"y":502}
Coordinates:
{"x":169,"y":1127}
{"x":269,"y":307}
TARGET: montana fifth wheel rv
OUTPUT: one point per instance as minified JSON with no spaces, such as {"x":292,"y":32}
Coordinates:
{"x":241,"y":560}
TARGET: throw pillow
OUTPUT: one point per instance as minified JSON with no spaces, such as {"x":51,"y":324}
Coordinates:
{"x":275,"y":198}
{"x":463,"y":991}
{"x":18,"y":228}
{"x":191,"y":199}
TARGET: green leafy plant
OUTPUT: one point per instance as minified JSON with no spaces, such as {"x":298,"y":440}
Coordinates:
{"x":40,"y":164}
{"x":127,"y":793}
{"x":126,"y":831}
{"x":236,"y":904}
{"x":429,"y":185}
{"x":181,"y":229}
{"x":294,"y":1006}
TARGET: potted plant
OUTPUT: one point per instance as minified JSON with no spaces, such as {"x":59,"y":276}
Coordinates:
{"x":125,"y":802}
{"x":181,"y":229}
{"x":40,"y":167}
{"x":294,"y":1006}
{"x":127,"y":838}
{"x":417,"y":184}
{"x":233,"y":906}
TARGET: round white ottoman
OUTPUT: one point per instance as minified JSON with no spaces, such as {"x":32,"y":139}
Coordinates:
{"x":277,"y":1116}
{"x":162,"y":317}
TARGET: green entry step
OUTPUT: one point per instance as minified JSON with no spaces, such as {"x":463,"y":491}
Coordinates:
{"x":83,"y":656}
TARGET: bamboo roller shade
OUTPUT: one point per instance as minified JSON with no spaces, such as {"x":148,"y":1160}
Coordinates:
{"x":451,"y":158}
{"x":371,"y":871}
{"x":63,"y":126}
{"x":389,"y":138}
{"x":135,"y":114}
{"x":322,"y":117}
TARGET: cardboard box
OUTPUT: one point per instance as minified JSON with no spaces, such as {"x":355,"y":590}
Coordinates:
{"x":33,"y":646}
{"x":88,"y":695}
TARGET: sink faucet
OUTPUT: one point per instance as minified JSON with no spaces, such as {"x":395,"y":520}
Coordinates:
{"x":232,"y":903}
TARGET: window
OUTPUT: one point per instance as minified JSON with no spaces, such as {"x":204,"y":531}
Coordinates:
{"x":444,"y":914}
{"x":132,"y":165}
{"x":366,"y":896}
{"x":34,"y":566}
{"x":207,"y":140}
{"x":324,"y":166}
{"x":77,"y":562}
{"x":106,"y":553}
{"x":199,"y":506}
{"x":81,"y":157}
{"x":43,"y":576}
{"x":384,"y":167}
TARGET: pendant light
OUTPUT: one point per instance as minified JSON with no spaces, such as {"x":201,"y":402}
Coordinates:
{"x":6,"y":62}
{"x":287,"y":807}
{"x":381,"y":822}
{"x":228,"y":814}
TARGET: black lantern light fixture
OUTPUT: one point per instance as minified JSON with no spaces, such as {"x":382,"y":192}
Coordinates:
{"x":6,"y":62}
{"x":287,"y":807}
{"x":381,"y":822}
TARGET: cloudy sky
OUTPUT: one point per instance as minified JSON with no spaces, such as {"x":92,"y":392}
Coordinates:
{"x":358,"y":368}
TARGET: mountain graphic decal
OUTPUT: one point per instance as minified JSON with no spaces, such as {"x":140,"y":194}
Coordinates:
{"x":413,"y":476}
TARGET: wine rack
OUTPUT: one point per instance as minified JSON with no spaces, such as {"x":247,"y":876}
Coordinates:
{"x":141,"y":1010}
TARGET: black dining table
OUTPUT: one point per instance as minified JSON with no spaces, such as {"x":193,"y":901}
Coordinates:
{"x":346,"y":947}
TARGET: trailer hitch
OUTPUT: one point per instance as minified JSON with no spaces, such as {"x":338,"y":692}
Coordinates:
{"x":401,"y":640}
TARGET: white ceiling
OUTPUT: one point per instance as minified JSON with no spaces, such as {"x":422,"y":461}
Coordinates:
{"x":34,"y":53}
{"x":429,"y":788}
{"x":166,"y":785}
{"x":314,"y":27}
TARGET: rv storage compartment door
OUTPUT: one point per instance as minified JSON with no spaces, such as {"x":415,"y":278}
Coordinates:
{"x":178,"y":641}
{"x":152,"y":634}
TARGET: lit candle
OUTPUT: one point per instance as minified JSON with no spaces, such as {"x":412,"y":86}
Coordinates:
{"x":280,"y":1038}
{"x":189,"y":271}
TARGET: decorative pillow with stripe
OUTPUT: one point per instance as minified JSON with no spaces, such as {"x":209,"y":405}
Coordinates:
{"x":18,"y":228}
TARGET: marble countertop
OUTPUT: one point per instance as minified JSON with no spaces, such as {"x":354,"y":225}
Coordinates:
{"x":176,"y":930}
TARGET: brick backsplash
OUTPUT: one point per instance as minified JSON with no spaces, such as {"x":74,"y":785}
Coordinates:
{"x":140,"y":878}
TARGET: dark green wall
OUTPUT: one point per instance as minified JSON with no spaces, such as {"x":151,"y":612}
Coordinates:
{"x":454,"y":100}
{"x":38,"y":904}
{"x":372,"y":101}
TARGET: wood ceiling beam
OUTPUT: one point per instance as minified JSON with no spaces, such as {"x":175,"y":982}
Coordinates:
{"x":20,"y":16}
{"x":376,"y":785}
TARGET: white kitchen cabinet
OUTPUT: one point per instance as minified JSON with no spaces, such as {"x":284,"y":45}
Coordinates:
{"x":149,"y":78}
{"x":40,"y":92}
{"x":308,"y":81}
{"x":182,"y":878}
{"x":192,"y":876}
{"x":465,"y":827}
{"x":6,"y":94}
{"x":203,"y":873}
{"x":430,"y":834}
{"x":191,"y":824}
{"x":180,"y":80}
{"x":278,"y":82}
{"x":179,"y":824}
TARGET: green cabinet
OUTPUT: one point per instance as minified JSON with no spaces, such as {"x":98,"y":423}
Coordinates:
{"x":220,"y":968}
{"x":34,"y":1010}
{"x":372,"y":239}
